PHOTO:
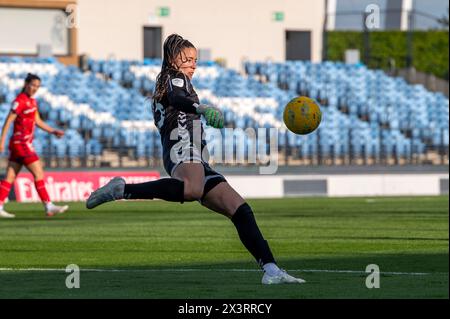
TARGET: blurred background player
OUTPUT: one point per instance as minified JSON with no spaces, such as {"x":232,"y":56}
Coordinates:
{"x":24,"y":113}
{"x":177,"y":112}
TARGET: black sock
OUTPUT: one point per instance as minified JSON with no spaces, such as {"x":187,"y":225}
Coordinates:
{"x":250,"y":236}
{"x":169,"y":189}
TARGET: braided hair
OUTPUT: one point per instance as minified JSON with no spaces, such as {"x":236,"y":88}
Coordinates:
{"x":173,"y":46}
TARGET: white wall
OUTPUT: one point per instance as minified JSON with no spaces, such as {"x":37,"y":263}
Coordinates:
{"x":257,"y":186}
{"x":22,"y":30}
{"x":232,"y":29}
{"x":343,"y":185}
{"x":384,"y":185}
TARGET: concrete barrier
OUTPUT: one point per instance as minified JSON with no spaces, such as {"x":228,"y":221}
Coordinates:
{"x":340,"y":185}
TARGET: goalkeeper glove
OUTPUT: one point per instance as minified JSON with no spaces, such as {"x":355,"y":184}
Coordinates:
{"x":212,"y":115}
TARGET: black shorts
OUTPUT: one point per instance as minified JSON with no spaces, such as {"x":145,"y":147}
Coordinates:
{"x":212,"y":178}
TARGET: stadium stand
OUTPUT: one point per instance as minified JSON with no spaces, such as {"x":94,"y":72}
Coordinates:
{"x":367,"y":115}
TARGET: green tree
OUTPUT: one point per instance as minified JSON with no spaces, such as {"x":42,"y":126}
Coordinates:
{"x":444,"y":21}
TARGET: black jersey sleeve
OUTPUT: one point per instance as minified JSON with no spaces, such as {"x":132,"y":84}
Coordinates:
{"x":178,"y":95}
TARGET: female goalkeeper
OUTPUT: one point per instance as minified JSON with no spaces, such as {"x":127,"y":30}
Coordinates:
{"x":177,"y":112}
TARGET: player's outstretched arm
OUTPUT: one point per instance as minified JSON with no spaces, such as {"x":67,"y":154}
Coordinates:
{"x":9,"y":119}
{"x":44,"y":126}
{"x":213,"y":116}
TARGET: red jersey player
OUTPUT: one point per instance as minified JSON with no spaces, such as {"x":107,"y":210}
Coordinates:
{"x":25,"y":115}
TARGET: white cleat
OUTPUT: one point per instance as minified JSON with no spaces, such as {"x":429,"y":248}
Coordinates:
{"x":55,"y":210}
{"x":282,"y":277}
{"x":5,"y":214}
{"x":113,"y":190}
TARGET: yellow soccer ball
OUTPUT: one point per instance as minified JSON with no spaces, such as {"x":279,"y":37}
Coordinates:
{"x":302,"y":115}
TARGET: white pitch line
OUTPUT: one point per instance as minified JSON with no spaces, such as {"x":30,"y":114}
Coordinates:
{"x":214,"y":270}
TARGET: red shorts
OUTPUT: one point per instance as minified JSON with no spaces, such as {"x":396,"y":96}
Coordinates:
{"x":22,"y":153}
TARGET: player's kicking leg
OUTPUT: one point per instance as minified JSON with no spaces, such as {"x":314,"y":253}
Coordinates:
{"x":168,"y":189}
{"x":225,"y":200}
{"x":180,"y":189}
{"x":111,"y":191}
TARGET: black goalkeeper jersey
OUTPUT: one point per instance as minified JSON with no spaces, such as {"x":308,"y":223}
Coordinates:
{"x":176,"y":119}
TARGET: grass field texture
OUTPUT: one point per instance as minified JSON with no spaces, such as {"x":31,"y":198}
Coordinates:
{"x":157,"y":249}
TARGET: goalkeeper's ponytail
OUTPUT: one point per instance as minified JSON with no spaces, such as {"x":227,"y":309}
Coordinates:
{"x":172,"y":48}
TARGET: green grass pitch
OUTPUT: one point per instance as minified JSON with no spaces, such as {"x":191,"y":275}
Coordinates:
{"x":156,"y":249}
